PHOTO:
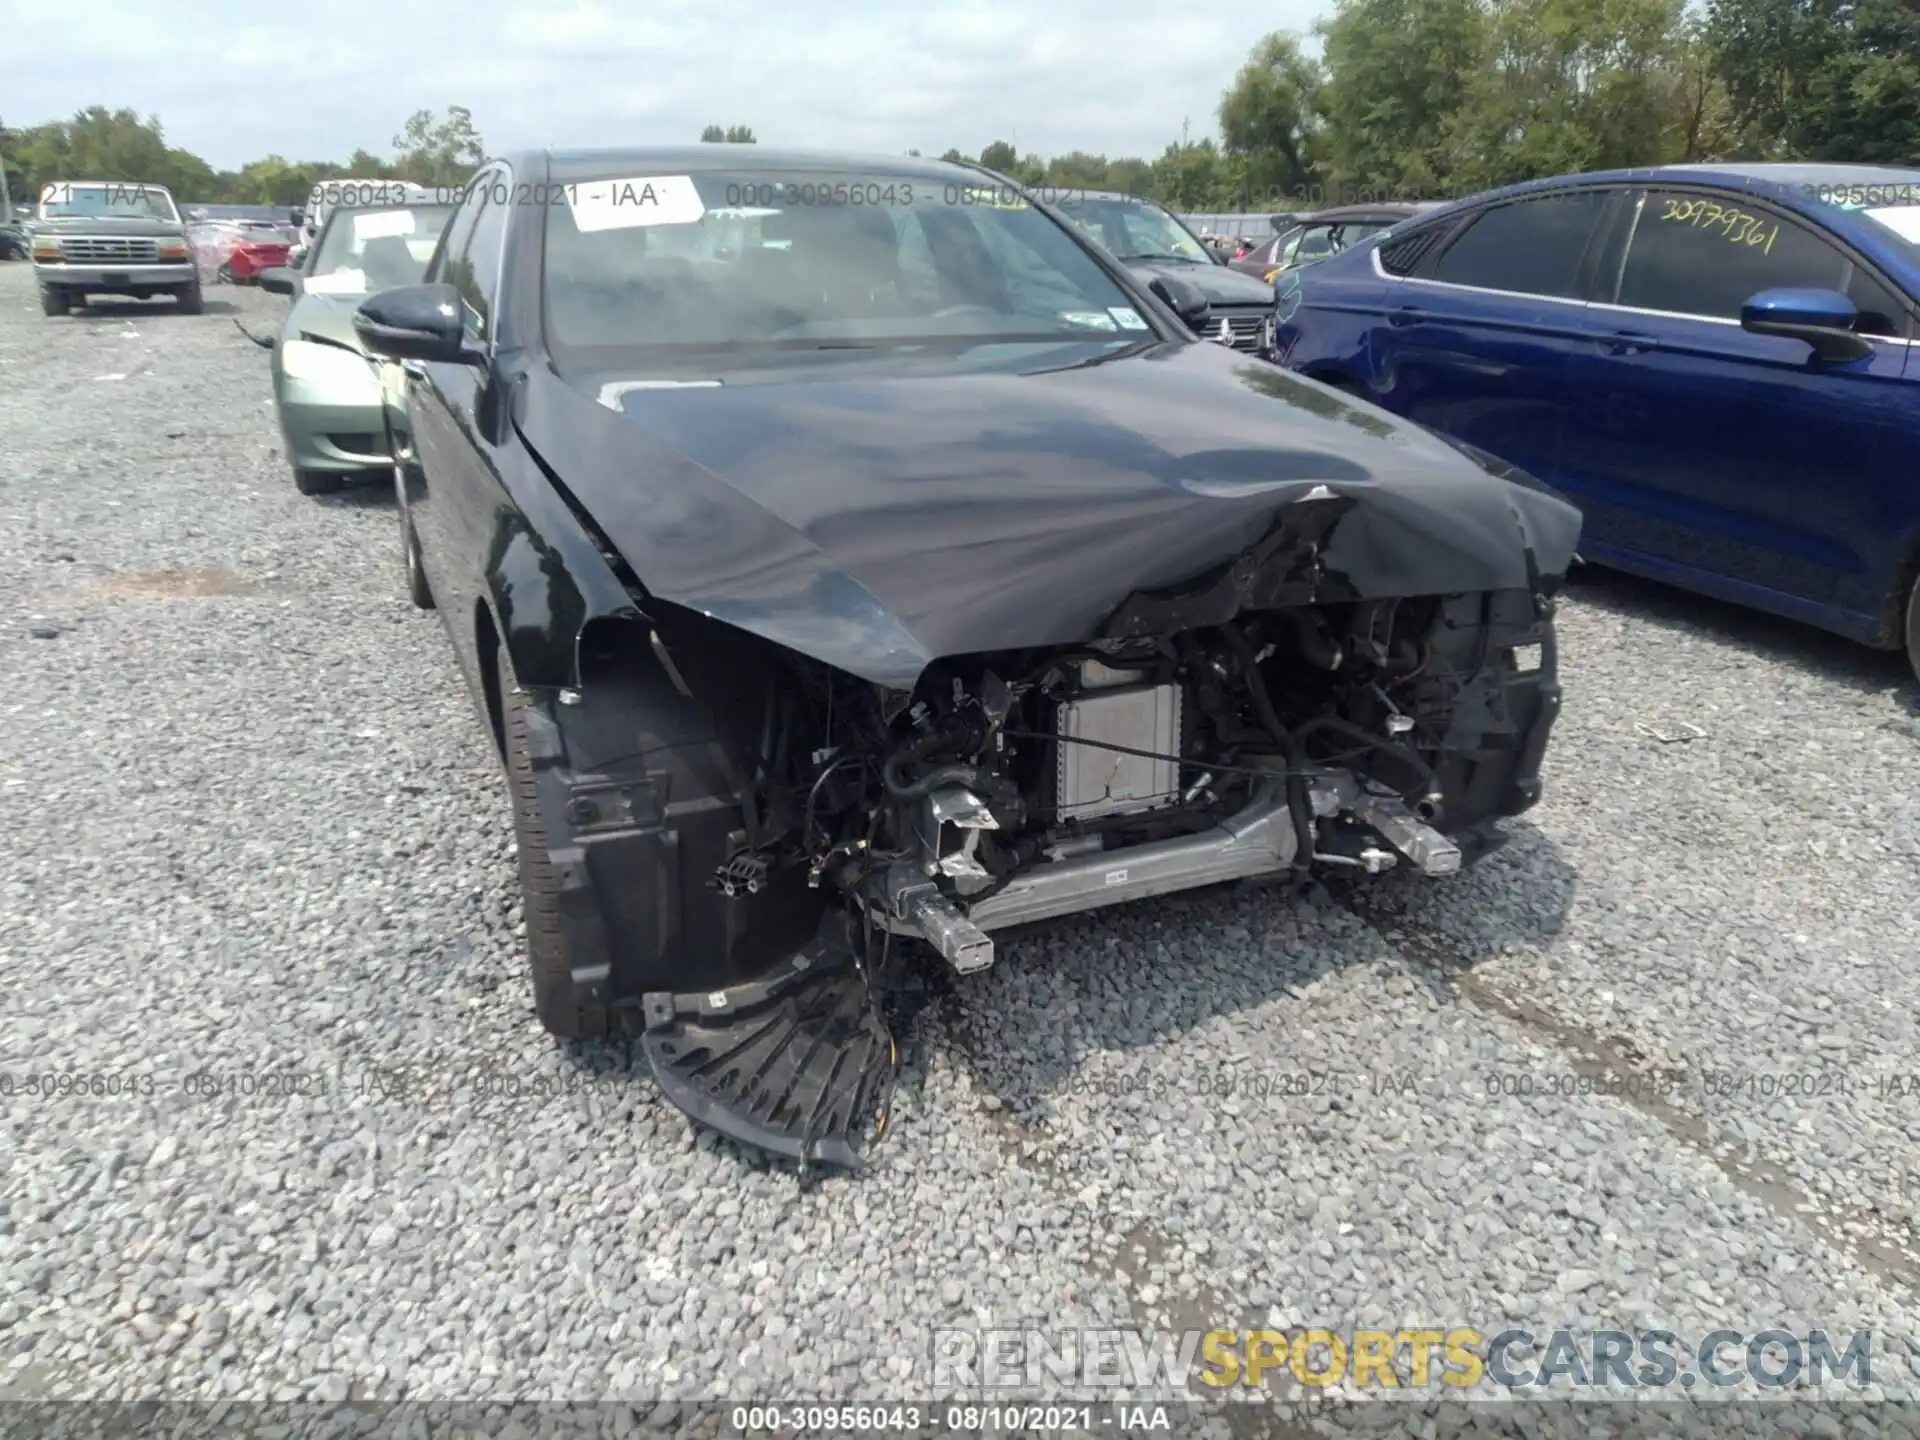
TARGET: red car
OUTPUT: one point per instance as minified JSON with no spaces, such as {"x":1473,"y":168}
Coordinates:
{"x":239,"y":250}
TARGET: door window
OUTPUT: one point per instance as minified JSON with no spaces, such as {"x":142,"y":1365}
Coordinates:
{"x":459,"y":232}
{"x":478,"y":269}
{"x":1531,"y":247}
{"x":1707,"y":255}
{"x":1880,"y":312}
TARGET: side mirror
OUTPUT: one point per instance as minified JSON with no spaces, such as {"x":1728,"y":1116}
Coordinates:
{"x":280,"y":280}
{"x":1823,"y":319}
{"x":413,"y":322}
{"x":1186,"y":300}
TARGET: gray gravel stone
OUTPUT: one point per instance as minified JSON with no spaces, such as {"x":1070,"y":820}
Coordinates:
{"x":257,"y":832}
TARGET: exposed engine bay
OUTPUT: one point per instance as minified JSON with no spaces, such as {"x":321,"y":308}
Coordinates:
{"x":1022,"y":786}
{"x":1019,"y":788}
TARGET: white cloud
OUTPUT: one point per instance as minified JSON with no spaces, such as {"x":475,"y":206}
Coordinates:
{"x":239,"y":82}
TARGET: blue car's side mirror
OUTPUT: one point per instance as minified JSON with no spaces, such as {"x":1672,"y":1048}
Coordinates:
{"x":1823,"y":319}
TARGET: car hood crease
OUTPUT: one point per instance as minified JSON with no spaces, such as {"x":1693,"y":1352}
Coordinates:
{"x":878,"y":522}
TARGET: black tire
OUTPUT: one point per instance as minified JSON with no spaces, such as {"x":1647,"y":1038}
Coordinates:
{"x":418,"y":591}
{"x":554,"y":999}
{"x":54,"y":302}
{"x":189,"y":297}
{"x":1913,"y":628}
{"x":316,"y":482}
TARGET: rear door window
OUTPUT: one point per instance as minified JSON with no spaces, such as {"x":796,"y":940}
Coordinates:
{"x":1531,"y":247}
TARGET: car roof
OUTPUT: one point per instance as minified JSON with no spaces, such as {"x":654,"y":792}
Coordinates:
{"x":579,"y":164}
{"x":1384,"y":209}
{"x":1729,"y":175}
{"x":1801,"y":172}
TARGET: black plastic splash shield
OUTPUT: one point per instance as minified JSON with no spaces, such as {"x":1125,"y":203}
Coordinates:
{"x":794,"y":1063}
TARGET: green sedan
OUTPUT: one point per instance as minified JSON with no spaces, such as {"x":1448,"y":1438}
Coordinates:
{"x":330,"y":394}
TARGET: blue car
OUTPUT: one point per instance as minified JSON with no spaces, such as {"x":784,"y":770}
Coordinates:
{"x":1715,"y":362}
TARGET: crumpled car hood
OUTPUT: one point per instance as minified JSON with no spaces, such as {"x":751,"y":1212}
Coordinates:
{"x":327,"y":318}
{"x":876,"y":518}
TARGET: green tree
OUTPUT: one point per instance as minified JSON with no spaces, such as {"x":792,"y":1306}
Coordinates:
{"x":1190,"y":176}
{"x":274,"y":181}
{"x":1000,"y":156}
{"x":1821,"y":79}
{"x":1697,"y":99}
{"x":1267,"y":119}
{"x":713,"y":135}
{"x":1569,"y":85}
{"x":102,"y":144}
{"x":1129,"y":175}
{"x":1397,"y":71}
{"x":1076,"y":169}
{"x":442,"y":152}
{"x":954,"y":157}
{"x":740,"y":135}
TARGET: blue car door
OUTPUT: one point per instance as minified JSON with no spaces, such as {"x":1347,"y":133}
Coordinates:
{"x":1734,"y":462}
{"x":1476,"y":341}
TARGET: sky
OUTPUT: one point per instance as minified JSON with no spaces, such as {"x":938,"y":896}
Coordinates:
{"x":239,"y":80}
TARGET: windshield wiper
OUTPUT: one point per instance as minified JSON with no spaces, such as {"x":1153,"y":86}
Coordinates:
{"x":1158,"y":255}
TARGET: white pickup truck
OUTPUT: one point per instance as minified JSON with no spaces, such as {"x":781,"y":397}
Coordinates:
{"x":111,"y":237}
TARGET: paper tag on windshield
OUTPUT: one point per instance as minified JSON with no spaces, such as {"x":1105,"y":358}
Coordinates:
{"x":1127,"y":318}
{"x":1091,"y":319}
{"x":628,"y":204}
{"x":382,"y":223}
{"x":338,"y":282}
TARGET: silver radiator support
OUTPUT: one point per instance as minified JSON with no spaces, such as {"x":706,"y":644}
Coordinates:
{"x":1256,"y":840}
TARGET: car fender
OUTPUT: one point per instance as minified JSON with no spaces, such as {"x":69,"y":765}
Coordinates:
{"x":547,"y":578}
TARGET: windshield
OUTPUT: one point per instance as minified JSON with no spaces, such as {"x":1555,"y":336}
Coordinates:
{"x":1903,"y":221}
{"x":1135,"y":229}
{"x":765,"y":260}
{"x":367,"y":250}
{"x":1887,"y":195}
{"x":108,"y":202}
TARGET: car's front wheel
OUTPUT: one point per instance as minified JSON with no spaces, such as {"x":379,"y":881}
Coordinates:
{"x":1913,"y":628}
{"x":189,"y":298}
{"x":53,"y":301}
{"x":554,"y":998}
{"x":316,"y":482}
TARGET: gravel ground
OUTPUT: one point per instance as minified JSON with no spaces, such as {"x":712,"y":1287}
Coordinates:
{"x":256,"y":831}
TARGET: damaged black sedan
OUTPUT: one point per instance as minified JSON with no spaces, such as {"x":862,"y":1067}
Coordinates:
{"x":847,"y":555}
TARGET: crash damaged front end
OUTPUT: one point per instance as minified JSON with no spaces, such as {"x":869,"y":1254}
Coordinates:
{"x":742,"y":875}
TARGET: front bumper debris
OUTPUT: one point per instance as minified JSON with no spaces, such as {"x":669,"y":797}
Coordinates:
{"x":796,"y":1062}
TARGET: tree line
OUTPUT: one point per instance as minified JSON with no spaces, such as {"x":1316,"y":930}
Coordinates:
{"x":1404,"y":98}
{"x":102,"y":144}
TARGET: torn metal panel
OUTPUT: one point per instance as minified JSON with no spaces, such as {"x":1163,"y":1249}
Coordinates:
{"x":876,"y":523}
